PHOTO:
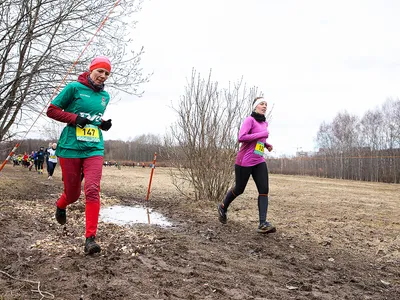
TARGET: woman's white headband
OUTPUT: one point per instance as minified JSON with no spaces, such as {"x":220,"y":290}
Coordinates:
{"x":258,"y":101}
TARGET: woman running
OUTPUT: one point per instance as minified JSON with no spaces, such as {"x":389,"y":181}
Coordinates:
{"x":80,"y":149}
{"x":250,"y":161}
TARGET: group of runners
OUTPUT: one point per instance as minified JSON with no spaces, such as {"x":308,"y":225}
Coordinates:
{"x":81,"y":105}
{"x":124,"y":164}
{"x":37,"y":159}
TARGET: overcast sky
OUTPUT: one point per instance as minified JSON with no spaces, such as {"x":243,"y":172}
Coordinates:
{"x":311,"y":59}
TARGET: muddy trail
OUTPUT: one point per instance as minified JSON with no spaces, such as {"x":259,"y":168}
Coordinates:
{"x":321,"y":250}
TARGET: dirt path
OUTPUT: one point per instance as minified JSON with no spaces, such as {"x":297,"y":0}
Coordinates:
{"x":335,"y":240}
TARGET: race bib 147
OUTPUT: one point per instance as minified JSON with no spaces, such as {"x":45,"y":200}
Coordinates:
{"x":88,"y":134}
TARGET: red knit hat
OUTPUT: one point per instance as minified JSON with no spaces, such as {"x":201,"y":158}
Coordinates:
{"x":100,"y":62}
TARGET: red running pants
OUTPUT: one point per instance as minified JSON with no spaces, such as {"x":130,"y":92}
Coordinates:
{"x":92,"y":168}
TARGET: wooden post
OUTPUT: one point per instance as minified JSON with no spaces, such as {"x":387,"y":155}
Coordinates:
{"x":151,"y":175}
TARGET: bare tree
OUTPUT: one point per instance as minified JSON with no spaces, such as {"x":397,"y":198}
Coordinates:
{"x":202,"y":143}
{"x":345,"y":131}
{"x":391,"y":124}
{"x":39,"y":42}
{"x":325,"y":138}
{"x":372,"y":128}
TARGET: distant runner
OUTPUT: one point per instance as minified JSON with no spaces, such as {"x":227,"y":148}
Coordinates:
{"x":40,"y":160}
{"x":52,"y":160}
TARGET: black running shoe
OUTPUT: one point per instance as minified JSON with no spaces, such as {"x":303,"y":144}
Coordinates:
{"x":91,"y":246}
{"x":61,"y":216}
{"x":266,"y":227}
{"x":222,"y":214}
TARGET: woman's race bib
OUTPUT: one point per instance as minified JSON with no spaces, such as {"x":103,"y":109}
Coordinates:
{"x":259,"y":149}
{"x":88,"y":134}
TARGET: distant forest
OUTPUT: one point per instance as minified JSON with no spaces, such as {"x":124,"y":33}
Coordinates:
{"x":115,"y":150}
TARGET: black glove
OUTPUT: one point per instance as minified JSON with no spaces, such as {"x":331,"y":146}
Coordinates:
{"x":105,"y":125}
{"x":81,"y":122}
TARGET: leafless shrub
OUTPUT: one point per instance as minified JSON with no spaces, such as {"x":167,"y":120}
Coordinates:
{"x":202,"y":144}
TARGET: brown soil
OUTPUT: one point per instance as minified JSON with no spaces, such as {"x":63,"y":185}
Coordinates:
{"x":335,"y":240}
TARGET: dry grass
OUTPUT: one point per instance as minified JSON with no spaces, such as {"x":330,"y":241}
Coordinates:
{"x":360,"y":216}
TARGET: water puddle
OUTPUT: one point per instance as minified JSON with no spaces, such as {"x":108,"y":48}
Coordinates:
{"x":130,"y":215}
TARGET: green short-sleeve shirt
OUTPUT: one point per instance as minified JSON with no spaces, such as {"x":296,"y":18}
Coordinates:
{"x":81,"y":100}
